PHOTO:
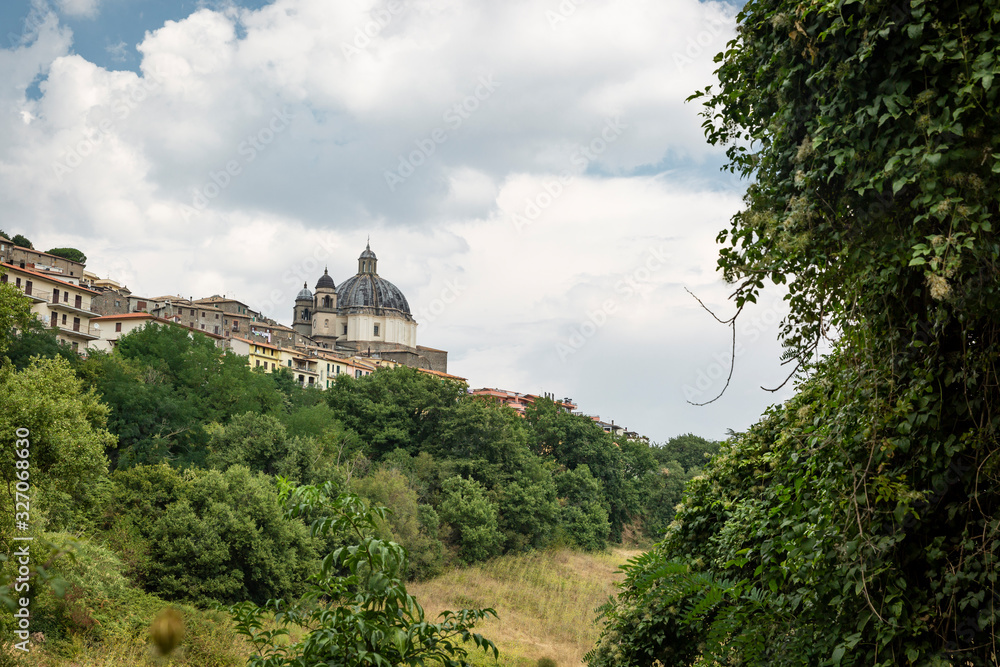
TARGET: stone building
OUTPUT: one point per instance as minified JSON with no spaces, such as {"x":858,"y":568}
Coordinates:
{"x":365,"y":315}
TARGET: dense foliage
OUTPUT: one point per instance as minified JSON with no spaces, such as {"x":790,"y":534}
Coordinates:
{"x":157,"y":465}
{"x":357,"y":611}
{"x":859,"y":524}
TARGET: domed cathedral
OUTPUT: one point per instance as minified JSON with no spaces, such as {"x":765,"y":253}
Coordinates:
{"x":367,"y":314}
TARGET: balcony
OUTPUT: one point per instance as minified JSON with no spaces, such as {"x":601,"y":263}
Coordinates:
{"x":75,"y":332}
{"x":61,"y":306}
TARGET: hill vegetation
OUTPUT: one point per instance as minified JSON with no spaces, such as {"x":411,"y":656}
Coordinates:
{"x":156,"y":477}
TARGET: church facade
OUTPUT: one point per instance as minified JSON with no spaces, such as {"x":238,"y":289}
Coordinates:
{"x":365,"y":315}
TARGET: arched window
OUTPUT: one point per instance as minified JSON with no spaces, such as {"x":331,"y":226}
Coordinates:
{"x":326,"y":302}
{"x":326,"y":324}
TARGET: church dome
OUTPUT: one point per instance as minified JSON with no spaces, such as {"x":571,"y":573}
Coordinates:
{"x":367,"y":253}
{"x":304,"y":293}
{"x":368,"y":290}
{"x":325,"y":281}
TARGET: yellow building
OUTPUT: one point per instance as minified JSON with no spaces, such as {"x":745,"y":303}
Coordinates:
{"x":259,"y":355}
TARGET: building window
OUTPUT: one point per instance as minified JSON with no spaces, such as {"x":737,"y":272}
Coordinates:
{"x":289,"y":363}
{"x":345,"y":329}
{"x":76,"y":324}
{"x":18,"y":282}
{"x":326,"y":324}
{"x":79,"y":300}
{"x":272,"y":365}
{"x":27,"y":288}
{"x":202,"y":327}
{"x":258,"y":362}
{"x":118,"y":304}
{"x":118,"y":327}
{"x":376,"y":329}
{"x":64,"y":319}
{"x":54,"y":320}
{"x":216,"y":316}
{"x":55,"y":296}
{"x":192,"y":311}
{"x":236,"y":325}
{"x":216,"y":329}
{"x":357,"y":374}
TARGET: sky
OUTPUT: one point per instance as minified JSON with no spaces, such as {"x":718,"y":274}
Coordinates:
{"x":528,"y":173}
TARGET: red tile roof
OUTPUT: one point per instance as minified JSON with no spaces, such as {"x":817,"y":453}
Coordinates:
{"x":47,"y":277}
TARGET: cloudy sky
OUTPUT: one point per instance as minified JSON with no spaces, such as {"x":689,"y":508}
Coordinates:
{"x":528,"y":172}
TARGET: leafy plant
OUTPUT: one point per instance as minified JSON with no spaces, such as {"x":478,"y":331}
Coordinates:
{"x":357,"y":611}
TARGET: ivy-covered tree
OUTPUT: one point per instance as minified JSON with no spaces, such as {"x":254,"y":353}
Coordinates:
{"x":857,"y":524}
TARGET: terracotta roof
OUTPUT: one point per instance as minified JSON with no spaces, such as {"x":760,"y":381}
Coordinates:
{"x":253,"y":342}
{"x":442,"y":375}
{"x":47,"y":277}
{"x":129,"y":316}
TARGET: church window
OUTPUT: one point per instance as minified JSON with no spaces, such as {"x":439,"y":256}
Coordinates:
{"x":326,"y":324}
{"x":376,"y":329}
{"x":345,"y":329}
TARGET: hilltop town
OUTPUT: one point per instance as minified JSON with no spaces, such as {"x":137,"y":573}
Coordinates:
{"x":353,"y":328}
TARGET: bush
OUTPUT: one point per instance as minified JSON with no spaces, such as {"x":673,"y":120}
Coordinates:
{"x":465,"y":507}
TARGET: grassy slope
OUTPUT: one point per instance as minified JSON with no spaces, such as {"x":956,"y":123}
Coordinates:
{"x":545,"y":600}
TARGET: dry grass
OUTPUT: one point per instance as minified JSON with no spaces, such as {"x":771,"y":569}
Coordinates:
{"x":545,"y":600}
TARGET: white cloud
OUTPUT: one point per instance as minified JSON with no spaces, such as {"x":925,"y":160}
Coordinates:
{"x":79,"y":8}
{"x":253,"y":150}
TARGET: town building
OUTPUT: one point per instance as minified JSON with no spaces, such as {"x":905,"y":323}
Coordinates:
{"x":365,"y":315}
{"x":41,"y":262}
{"x":57,"y":303}
{"x":518,"y":401}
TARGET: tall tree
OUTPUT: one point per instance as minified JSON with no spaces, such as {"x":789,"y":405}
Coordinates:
{"x":857,"y":524}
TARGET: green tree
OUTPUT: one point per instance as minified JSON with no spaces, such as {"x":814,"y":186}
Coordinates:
{"x":393,"y":408}
{"x":583,"y":517}
{"x":65,"y":459}
{"x":15,"y":313}
{"x":472,"y":516}
{"x":22,"y":241}
{"x":214,"y":535}
{"x":72,"y":254}
{"x":574,"y":440}
{"x":856,"y":524}
{"x":358,"y":611}
{"x":412,"y":525}
{"x":690,"y":450}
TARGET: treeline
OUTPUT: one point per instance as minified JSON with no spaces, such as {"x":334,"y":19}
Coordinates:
{"x":164,"y":456}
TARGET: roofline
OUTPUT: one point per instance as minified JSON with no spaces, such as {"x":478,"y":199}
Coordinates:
{"x":49,"y":254}
{"x":42,"y":275}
